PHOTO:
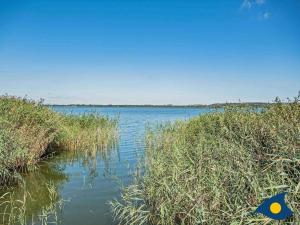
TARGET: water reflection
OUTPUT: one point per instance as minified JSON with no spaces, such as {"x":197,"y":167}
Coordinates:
{"x":38,"y":199}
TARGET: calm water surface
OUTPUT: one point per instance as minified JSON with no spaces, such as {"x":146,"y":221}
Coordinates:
{"x":86,"y":182}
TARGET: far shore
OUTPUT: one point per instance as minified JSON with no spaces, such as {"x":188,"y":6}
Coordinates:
{"x":214,"y":105}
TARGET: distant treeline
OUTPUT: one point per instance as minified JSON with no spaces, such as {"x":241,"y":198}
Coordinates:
{"x":215,"y":105}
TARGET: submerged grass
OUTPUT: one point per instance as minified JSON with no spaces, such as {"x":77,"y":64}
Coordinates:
{"x":30,"y":131}
{"x":217,"y":168}
{"x":15,"y":211}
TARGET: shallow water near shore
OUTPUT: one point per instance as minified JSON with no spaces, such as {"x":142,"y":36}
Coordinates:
{"x":87,"y":182}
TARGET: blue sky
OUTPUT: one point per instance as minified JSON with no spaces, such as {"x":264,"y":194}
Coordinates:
{"x":150,"y":51}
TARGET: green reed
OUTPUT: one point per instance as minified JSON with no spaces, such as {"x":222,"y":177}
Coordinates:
{"x":30,"y":131}
{"x":88,"y":132}
{"x":217,"y":168}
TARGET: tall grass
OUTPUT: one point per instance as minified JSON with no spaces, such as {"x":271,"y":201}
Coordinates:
{"x":217,"y":168}
{"x":29,"y":131}
{"x":86,"y":132}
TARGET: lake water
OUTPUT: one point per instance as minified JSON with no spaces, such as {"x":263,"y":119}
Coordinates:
{"x":88,"y":182}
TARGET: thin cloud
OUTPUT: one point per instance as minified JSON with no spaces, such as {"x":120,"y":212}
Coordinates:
{"x":248,"y":4}
{"x":258,"y":7}
{"x":260,"y":2}
{"x":266,"y":15}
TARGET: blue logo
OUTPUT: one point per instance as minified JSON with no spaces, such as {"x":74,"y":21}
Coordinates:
{"x":275,"y":207}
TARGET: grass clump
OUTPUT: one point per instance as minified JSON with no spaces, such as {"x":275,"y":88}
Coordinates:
{"x":87,"y":132}
{"x":29,"y":131}
{"x":217,"y":168}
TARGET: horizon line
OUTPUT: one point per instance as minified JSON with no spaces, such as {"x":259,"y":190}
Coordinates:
{"x":164,"y":105}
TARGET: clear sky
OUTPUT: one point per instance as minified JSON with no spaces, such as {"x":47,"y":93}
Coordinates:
{"x":150,"y":51}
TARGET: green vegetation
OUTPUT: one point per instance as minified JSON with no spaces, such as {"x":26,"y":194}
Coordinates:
{"x":30,"y":131}
{"x":86,"y":132}
{"x":217,"y":168}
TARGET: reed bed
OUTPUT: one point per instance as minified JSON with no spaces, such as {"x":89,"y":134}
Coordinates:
{"x":29,"y":131}
{"x":217,"y":168}
{"x":87,"y":132}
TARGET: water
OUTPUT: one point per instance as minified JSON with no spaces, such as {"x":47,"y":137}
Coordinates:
{"x":88,"y":183}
